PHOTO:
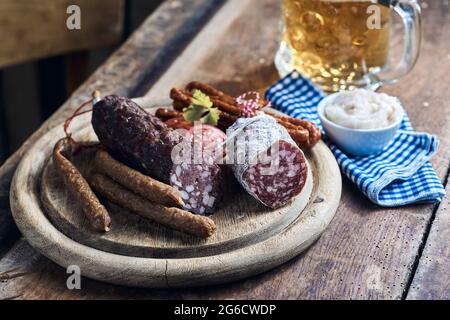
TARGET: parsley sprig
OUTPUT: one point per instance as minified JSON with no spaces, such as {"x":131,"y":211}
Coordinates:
{"x":201,"y":109}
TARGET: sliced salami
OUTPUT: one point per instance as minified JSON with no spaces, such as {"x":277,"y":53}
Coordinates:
{"x":200,"y":186}
{"x":194,"y":174}
{"x":267,"y":162}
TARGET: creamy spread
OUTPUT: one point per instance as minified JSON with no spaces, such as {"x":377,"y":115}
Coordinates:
{"x":363,"y":109}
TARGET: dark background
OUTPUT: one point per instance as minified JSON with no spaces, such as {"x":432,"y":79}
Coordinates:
{"x":30,"y":92}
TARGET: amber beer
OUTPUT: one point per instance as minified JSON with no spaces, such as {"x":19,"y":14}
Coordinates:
{"x":336,"y":43}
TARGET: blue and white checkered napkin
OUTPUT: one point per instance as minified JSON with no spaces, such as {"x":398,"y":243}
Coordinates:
{"x":400,"y":175}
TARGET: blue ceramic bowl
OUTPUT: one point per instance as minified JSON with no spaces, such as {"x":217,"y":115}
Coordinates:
{"x":357,"y":142}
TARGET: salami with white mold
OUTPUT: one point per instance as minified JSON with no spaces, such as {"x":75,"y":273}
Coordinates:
{"x":267,"y":162}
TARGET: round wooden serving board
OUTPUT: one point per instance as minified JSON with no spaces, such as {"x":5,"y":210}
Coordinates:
{"x":250,"y":239}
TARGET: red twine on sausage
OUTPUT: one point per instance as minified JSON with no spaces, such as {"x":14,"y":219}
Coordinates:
{"x":68,"y":121}
{"x":249,"y":103}
{"x":78,"y":112}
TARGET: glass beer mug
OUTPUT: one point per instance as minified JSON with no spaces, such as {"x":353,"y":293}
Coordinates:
{"x":344,"y":44}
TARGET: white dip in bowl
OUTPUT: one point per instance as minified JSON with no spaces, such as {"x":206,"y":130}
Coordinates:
{"x":361,"y":122}
{"x":364,"y":109}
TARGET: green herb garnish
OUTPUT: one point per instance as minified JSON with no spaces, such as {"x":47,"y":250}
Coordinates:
{"x":201,"y":109}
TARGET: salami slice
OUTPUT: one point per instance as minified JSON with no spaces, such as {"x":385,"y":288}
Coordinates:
{"x":267,"y":162}
{"x":200,"y":186}
{"x":195,"y":174}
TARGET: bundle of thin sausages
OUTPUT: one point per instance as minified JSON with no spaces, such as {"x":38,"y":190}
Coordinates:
{"x":305,"y":134}
{"x":146,"y":197}
{"x":129,"y":189}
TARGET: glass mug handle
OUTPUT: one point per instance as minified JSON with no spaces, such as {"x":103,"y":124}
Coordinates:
{"x":410,"y":12}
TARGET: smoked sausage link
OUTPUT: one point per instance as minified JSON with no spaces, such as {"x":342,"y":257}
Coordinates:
{"x":173,"y":218}
{"x":134,"y":136}
{"x":95,"y":212}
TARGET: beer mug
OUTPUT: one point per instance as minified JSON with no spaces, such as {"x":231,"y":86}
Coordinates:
{"x":344,"y":44}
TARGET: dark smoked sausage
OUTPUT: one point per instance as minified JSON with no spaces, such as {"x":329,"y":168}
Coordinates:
{"x":134,"y":136}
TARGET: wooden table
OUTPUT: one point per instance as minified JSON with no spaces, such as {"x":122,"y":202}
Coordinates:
{"x":367,"y":251}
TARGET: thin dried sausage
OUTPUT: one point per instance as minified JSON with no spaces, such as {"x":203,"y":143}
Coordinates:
{"x":95,"y":212}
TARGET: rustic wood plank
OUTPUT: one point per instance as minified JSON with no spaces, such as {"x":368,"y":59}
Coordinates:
{"x":384,"y":246}
{"x":137,"y":63}
{"x":37,"y":28}
{"x":432,"y":279}
{"x":8,"y":230}
{"x":390,"y":259}
{"x":367,"y":252}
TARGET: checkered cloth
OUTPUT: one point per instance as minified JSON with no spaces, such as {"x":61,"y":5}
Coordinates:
{"x":400,"y":175}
